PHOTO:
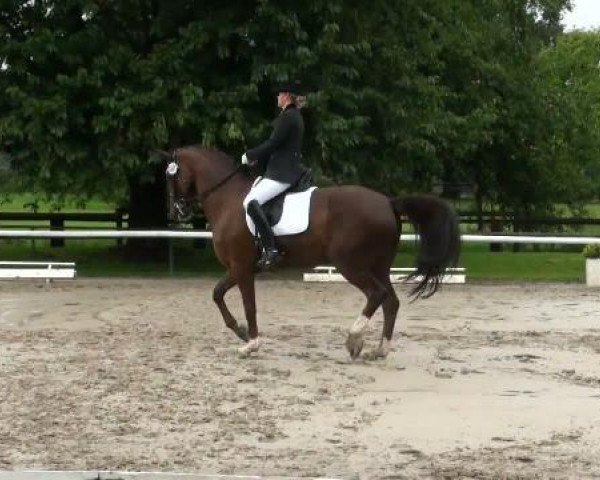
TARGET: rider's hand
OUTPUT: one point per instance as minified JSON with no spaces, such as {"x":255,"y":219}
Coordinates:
{"x":245,"y":160}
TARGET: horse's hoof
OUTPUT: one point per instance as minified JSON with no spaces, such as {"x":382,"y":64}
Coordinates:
{"x":242,"y":333}
{"x":246,"y":350}
{"x":354,"y":345}
{"x":378,"y":353}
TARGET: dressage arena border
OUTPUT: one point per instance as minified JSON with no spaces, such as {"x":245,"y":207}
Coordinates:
{"x":44,"y":270}
{"x":117,"y":475}
{"x":329,"y":273}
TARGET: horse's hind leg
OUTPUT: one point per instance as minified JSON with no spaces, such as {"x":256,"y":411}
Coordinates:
{"x":390,"y":307}
{"x":375,"y":292}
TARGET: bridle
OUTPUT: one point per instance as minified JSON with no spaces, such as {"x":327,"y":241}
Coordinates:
{"x":182,"y":204}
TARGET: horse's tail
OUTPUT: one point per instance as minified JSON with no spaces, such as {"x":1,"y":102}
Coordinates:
{"x":436,"y":224}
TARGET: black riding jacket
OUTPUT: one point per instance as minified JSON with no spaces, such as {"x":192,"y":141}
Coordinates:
{"x":280,"y":155}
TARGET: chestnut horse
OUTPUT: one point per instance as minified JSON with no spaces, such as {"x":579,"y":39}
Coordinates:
{"x":354,"y":228}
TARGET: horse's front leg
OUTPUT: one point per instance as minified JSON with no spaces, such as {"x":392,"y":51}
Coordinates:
{"x":246,"y":286}
{"x":221,"y":288}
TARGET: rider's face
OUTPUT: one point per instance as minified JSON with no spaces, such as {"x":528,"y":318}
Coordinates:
{"x":283,"y":99}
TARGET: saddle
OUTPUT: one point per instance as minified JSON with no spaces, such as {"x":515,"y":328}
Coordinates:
{"x":274,"y":208}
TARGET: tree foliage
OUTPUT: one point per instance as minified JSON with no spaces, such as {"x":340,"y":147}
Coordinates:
{"x":571,"y":72}
{"x":404,"y":93}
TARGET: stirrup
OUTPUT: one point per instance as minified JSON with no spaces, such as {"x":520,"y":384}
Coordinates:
{"x":269,"y":259}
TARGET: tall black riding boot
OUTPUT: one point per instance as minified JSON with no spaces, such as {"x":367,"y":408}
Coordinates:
{"x":271,"y":255}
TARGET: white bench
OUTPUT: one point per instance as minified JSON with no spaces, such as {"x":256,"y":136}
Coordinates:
{"x":397,"y":275}
{"x":45,"y":270}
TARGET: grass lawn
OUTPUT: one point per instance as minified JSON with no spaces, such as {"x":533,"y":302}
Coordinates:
{"x":525,"y":265}
{"x":103,"y":258}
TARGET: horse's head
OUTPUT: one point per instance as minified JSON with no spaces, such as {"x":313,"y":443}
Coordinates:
{"x":180,"y":190}
{"x":193,"y":175}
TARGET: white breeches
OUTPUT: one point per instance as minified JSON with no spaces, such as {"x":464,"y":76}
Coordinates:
{"x":265,"y":190}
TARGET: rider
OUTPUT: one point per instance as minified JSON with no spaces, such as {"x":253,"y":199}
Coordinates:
{"x":280,"y":155}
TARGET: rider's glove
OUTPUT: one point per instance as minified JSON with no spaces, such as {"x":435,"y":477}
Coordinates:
{"x":245,"y":160}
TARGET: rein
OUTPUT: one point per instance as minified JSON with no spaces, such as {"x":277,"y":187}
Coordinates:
{"x":201,"y":197}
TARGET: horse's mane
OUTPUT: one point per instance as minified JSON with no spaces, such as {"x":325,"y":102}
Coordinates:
{"x":223,"y":158}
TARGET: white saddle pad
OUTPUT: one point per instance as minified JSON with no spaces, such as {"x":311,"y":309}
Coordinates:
{"x":294,"y":218}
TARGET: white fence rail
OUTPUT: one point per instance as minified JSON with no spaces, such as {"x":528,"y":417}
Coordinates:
{"x":83,"y":234}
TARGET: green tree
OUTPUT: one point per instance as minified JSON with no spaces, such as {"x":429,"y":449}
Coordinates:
{"x":403,"y":92}
{"x":506,"y":125}
{"x":92,"y":88}
{"x":570,"y":69}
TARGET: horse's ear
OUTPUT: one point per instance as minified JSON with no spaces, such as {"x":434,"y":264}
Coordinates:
{"x":160,"y":156}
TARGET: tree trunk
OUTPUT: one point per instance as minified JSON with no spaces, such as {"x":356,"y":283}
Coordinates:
{"x":148,"y":211}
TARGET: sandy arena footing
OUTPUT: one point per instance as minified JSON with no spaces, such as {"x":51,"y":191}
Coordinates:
{"x":484,"y":381}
